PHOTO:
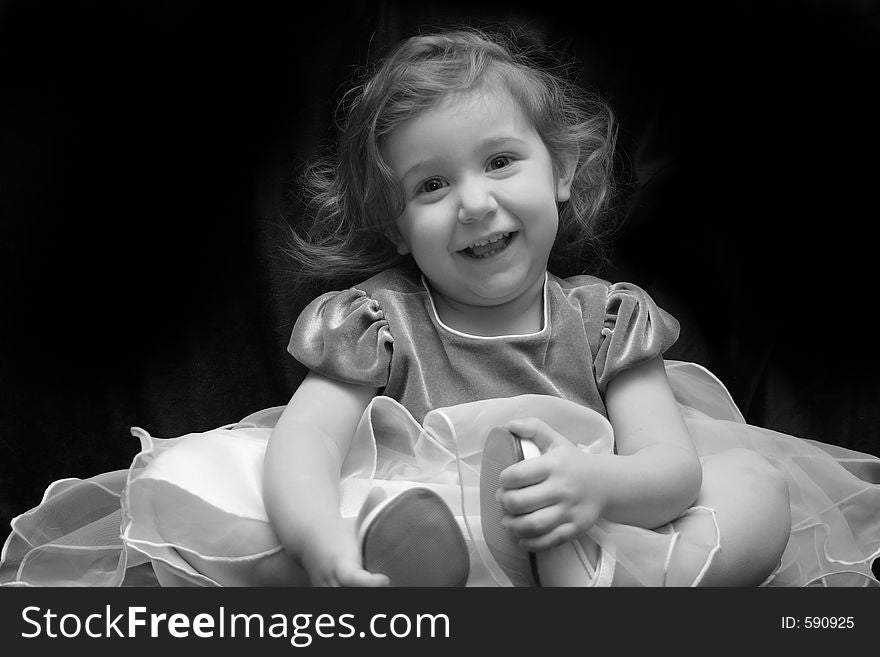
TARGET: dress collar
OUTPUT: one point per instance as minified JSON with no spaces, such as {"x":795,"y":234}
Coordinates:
{"x":439,"y":322}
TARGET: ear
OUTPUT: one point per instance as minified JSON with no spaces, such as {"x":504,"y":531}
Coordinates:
{"x":393,"y":233}
{"x":565,"y":175}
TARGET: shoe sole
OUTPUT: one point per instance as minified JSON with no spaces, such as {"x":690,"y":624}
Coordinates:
{"x":501,"y":450}
{"x":414,"y":539}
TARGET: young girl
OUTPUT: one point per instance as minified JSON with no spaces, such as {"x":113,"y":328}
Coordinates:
{"x":461,"y":171}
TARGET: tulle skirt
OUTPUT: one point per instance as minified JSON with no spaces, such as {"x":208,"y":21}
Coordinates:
{"x":189,"y":510}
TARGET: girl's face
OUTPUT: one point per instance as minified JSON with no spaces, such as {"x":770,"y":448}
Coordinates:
{"x":481,"y":194}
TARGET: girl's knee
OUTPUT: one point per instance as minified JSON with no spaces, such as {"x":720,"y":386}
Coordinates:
{"x":755,"y":481}
{"x":754,"y":474}
{"x":768,"y":490}
{"x":751,"y":497}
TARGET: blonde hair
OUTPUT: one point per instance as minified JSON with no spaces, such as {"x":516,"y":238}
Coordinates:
{"x":352,"y":195}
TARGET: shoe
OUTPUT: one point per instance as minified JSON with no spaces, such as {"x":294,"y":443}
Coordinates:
{"x":503,"y":449}
{"x":578,"y":563}
{"x":413,"y":538}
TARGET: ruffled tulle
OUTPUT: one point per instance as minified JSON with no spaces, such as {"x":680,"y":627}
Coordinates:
{"x":189,"y":510}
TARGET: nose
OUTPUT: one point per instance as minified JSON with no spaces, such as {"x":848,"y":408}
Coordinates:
{"x":476,"y":201}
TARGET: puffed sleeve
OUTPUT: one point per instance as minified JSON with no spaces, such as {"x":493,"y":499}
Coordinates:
{"x":344,"y":336}
{"x":635,"y":330}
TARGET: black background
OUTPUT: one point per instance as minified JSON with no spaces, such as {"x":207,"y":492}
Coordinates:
{"x":147,"y":162}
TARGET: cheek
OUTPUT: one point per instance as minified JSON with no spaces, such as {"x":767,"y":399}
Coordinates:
{"x":425,"y":229}
{"x":535,"y":187}
{"x":534,"y":203}
{"x":428,"y":243}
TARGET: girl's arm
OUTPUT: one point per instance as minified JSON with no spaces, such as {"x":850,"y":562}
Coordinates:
{"x":301,"y":479}
{"x":658,"y":474}
{"x":653,"y":478}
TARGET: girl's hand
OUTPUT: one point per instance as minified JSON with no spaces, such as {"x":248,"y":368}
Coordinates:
{"x":553,"y":498}
{"x":335,"y":560}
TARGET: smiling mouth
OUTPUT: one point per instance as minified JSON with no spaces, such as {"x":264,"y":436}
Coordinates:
{"x":488,"y":247}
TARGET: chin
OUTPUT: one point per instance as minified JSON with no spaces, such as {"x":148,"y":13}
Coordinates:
{"x":507,"y":286}
{"x":496,"y":296}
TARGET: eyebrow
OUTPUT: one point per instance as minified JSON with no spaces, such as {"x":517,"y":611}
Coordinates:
{"x":489,"y":142}
{"x":492,"y":141}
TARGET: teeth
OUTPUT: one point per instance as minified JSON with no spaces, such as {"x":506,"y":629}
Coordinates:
{"x":489,"y":240}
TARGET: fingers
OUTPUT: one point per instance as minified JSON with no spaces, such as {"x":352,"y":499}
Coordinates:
{"x":538,"y":431}
{"x":557,"y":536}
{"x":524,"y":473}
{"x":531,"y":472}
{"x":348,"y":572}
{"x":541,"y":529}
{"x":367,"y":579}
{"x":535,"y":523}
{"x":358,"y":577}
{"x":528,"y":498}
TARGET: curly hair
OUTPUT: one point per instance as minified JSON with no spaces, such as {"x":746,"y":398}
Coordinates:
{"x":352,"y":195}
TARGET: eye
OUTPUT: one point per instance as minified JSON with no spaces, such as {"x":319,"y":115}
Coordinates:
{"x":499,"y":162}
{"x":431,"y":185}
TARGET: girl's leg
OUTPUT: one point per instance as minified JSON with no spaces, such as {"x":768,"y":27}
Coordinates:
{"x":752,"y":509}
{"x":278,"y":569}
